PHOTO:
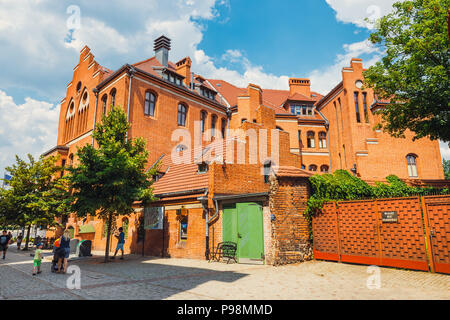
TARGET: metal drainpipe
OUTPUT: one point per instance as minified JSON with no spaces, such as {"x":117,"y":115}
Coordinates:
{"x":208,"y":221}
{"x":131,"y":72}
{"x":95,"y":90}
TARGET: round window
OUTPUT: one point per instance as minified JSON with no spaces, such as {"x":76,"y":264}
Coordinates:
{"x":359,"y":84}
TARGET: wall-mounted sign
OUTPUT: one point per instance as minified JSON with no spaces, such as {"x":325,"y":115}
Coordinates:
{"x":153,"y":218}
{"x":389,"y":216}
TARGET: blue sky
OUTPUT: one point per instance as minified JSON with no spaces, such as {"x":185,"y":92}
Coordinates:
{"x":241,"y":41}
{"x":290,"y":37}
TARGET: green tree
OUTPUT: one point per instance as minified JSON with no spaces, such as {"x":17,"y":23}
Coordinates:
{"x":109,"y":179}
{"x":414,"y":73}
{"x":446,"y":165}
{"x":37,"y":194}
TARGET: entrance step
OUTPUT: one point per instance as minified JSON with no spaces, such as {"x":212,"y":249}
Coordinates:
{"x":250,"y":261}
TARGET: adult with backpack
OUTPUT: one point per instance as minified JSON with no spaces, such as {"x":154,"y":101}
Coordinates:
{"x":5,"y":238}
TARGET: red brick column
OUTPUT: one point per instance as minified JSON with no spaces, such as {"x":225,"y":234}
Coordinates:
{"x":290,"y":241}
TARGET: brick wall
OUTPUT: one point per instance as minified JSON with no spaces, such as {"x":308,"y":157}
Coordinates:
{"x":290,"y":231}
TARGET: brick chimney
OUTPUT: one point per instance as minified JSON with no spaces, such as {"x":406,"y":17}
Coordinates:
{"x":255,"y":94}
{"x":162,"y":47}
{"x":184,"y":68}
{"x":298,"y":85}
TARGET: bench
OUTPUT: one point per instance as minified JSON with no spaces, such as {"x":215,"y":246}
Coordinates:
{"x":225,"y":249}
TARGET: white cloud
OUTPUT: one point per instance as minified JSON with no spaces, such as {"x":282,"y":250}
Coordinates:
{"x":445,"y":150}
{"x":26,"y":128}
{"x":323,"y":80}
{"x":356,"y":11}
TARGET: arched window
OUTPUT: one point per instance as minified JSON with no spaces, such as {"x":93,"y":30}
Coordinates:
{"x":125,"y":224}
{"x":104,"y":99}
{"x":322,"y":140}
{"x":71,"y":159}
{"x":324,"y":168}
{"x":243,"y":120}
{"x":303,"y":167}
{"x":150,"y":103}
{"x":78,"y":87}
{"x":412,"y":165}
{"x":312,"y":167}
{"x":358,"y":116}
{"x":203,"y":120}
{"x":224,"y":125}
{"x":182,"y":113}
{"x":310,"y":139}
{"x":69,"y":121}
{"x":213,"y":125}
{"x":366,"y":112}
{"x":83,"y":112}
{"x":113,"y":97}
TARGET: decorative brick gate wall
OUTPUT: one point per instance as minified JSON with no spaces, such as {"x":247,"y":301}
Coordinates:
{"x":412,"y":233}
{"x":289,"y":237}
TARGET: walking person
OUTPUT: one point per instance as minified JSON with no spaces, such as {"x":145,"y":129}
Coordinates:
{"x":120,"y":243}
{"x":37,"y":259}
{"x":19,"y":240}
{"x":65,"y":244}
{"x":4,"y":241}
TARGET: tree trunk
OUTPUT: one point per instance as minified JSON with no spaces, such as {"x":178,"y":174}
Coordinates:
{"x":28,"y":238}
{"x":108,"y":237}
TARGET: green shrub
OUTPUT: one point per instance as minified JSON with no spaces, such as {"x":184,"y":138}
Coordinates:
{"x":341,"y":185}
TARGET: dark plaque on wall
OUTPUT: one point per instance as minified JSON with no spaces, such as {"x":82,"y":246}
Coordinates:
{"x":389,"y":216}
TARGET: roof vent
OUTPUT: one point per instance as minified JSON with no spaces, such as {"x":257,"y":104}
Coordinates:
{"x":162,"y":47}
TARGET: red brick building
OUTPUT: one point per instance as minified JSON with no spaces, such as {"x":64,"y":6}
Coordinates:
{"x":229,"y":190}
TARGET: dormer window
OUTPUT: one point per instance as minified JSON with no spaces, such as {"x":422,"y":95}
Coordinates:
{"x":301,"y":109}
{"x":158,"y":176}
{"x":207,"y":93}
{"x":172,"y":77}
{"x":202,"y":167}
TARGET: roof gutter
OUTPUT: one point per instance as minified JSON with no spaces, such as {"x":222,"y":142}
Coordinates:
{"x":180,"y":193}
{"x":204,"y":201}
{"x":131,"y":70}
{"x":239,"y":196}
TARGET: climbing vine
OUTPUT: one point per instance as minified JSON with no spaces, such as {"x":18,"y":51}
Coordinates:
{"x":341,"y":185}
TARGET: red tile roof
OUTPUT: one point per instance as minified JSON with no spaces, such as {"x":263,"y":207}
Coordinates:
{"x":181,"y":177}
{"x":289,"y":171}
{"x":271,"y":97}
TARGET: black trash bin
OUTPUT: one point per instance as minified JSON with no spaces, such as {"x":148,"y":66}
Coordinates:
{"x":84,"y":248}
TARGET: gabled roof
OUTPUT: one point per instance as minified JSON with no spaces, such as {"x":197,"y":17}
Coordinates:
{"x":149,"y":64}
{"x":272,"y":98}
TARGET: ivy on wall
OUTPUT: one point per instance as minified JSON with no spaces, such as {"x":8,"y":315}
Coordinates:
{"x":341,"y":185}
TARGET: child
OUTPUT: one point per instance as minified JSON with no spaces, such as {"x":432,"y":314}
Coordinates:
{"x":37,"y":259}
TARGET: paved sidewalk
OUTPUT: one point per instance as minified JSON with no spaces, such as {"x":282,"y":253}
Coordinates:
{"x":155,"y":278}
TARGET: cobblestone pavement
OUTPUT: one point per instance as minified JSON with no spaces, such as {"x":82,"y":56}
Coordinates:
{"x":154,"y":278}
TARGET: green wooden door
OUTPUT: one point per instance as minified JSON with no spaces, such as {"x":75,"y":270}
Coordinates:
{"x":250,"y":231}
{"x":229,"y":223}
{"x":242,"y":223}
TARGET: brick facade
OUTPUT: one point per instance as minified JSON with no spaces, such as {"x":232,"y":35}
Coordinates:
{"x":247,"y":112}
